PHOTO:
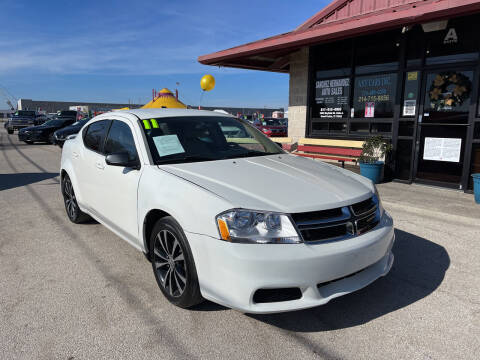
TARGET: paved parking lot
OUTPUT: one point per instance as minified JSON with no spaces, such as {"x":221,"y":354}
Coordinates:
{"x":79,"y":292}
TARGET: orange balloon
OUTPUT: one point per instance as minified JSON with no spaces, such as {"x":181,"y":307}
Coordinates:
{"x":207,"y":82}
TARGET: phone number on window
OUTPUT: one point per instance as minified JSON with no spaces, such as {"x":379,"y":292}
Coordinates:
{"x":374,"y":98}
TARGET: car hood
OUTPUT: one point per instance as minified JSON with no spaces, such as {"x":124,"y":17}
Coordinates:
{"x":69,"y":130}
{"x":283,"y":183}
{"x":22,"y":119}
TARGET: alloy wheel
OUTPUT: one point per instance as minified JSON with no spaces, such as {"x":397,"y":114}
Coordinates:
{"x":70,"y":200}
{"x":169,"y":263}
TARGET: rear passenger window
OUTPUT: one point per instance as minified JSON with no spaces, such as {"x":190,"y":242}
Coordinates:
{"x":120,"y":139}
{"x":94,"y":135}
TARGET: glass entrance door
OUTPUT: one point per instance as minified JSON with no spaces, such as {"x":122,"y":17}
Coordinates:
{"x":442,"y":126}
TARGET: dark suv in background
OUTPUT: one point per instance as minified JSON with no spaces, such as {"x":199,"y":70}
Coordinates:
{"x":44,"y":132}
{"x":24,"y":118}
{"x":61,"y":135}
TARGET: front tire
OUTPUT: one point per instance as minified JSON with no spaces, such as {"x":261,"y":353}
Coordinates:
{"x":173,"y":264}
{"x":74,"y":213}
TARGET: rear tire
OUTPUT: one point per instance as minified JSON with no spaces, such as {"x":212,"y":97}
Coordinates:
{"x":10,"y":131}
{"x":173,"y":264}
{"x":74,"y":213}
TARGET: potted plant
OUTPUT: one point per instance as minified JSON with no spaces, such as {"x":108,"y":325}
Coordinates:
{"x":371,"y":160}
{"x":476,"y":187}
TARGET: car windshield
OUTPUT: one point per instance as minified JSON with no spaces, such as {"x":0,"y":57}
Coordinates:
{"x":56,"y":122}
{"x":25,"y":113}
{"x":272,"y":122}
{"x":80,"y":122}
{"x":66,"y":113}
{"x":203,"y":138}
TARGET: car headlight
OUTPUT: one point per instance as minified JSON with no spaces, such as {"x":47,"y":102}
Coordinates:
{"x":256,"y":227}
{"x":379,"y":202}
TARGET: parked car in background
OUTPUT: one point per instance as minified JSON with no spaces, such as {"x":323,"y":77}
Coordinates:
{"x":272,"y":127}
{"x":72,"y":114}
{"x":24,"y":118}
{"x":61,"y":135}
{"x":223,"y":213}
{"x":44,"y":132}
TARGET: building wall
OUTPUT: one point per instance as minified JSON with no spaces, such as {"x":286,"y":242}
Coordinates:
{"x":54,"y":106}
{"x":298,"y":94}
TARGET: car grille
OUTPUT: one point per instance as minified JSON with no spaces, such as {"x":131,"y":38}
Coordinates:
{"x":339,"y":223}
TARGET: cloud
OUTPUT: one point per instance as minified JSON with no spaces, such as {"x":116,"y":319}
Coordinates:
{"x":115,"y":46}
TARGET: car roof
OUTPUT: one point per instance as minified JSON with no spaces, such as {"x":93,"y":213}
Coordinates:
{"x":158,"y":113}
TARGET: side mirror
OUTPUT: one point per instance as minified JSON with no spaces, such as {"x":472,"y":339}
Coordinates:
{"x":122,"y":159}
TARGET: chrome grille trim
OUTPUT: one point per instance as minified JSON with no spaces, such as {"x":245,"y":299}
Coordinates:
{"x":349,"y":224}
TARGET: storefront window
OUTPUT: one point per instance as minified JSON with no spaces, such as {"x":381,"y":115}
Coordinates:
{"x":381,"y":128}
{"x":321,"y":127}
{"x":476,"y":131}
{"x":360,"y":127}
{"x":447,"y":96}
{"x":455,"y":43}
{"x":415,"y":46}
{"x":374,"y":96}
{"x":410,"y":93}
{"x":338,"y":127}
{"x":332,"y":60}
{"x":379,"y":52}
{"x":332,"y":98}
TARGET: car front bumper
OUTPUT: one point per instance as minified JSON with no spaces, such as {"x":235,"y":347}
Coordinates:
{"x":230,"y":274}
{"x":58,"y":140}
{"x":31,"y":136}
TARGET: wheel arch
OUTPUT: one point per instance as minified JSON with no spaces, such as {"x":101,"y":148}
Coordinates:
{"x":67,"y":169}
{"x":148,"y":223}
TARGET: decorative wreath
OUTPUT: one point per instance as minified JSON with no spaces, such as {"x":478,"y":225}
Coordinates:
{"x":449,"y":89}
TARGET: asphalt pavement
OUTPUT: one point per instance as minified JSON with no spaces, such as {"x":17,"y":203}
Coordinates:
{"x":79,"y":292}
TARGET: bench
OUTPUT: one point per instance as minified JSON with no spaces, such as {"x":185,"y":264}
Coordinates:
{"x":285,"y":141}
{"x":330,"y":149}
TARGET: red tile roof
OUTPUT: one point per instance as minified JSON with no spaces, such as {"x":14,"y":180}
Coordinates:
{"x":340,"y":19}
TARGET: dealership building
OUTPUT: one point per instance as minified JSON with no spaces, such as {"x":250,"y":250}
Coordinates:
{"x":408,"y":70}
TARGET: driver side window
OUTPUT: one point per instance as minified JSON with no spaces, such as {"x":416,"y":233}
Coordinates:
{"x":120,"y":139}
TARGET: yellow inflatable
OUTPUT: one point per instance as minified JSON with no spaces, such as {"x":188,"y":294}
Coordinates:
{"x":165,"y":99}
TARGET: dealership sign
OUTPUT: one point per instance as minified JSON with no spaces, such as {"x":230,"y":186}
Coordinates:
{"x":451,"y":37}
{"x":332,"y":96}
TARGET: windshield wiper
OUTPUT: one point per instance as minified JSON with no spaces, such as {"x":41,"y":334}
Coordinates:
{"x":185,"y":158}
{"x":247,"y":154}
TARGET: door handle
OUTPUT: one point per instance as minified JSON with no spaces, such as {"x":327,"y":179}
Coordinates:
{"x":74,"y":154}
{"x":99,"y":165}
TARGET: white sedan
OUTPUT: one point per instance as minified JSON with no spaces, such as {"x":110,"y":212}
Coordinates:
{"x":225,"y":214}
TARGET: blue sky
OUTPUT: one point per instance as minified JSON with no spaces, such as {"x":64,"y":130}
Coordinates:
{"x":116,"y":51}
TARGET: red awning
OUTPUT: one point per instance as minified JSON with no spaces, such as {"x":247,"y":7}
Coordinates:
{"x":339,"y":20}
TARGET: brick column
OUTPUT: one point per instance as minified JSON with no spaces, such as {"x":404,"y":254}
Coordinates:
{"x":297,"y":105}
